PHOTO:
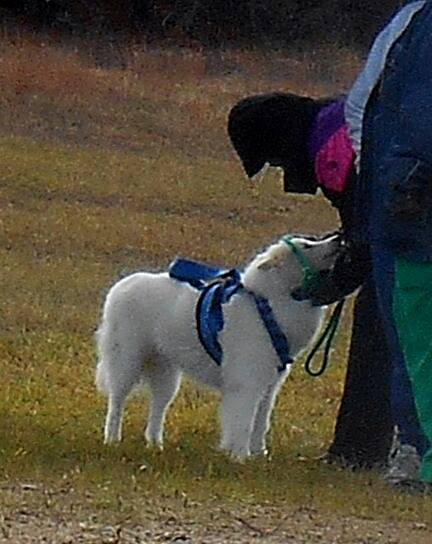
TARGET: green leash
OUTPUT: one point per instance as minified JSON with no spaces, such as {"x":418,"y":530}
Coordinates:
{"x":329,"y":333}
{"x":310,"y":278}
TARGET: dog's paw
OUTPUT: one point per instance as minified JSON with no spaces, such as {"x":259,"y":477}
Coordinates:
{"x":239,"y":458}
{"x":112,"y":440}
{"x":231,"y":454}
{"x":260,"y":452}
{"x":240,"y":455}
{"x":154,"y":445}
{"x":222,"y":448}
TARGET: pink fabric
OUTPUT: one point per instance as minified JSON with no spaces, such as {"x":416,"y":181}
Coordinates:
{"x":334,"y":161}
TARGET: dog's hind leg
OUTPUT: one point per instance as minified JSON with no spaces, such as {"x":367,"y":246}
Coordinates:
{"x":113,"y":422}
{"x":164,"y":381}
{"x":118,"y":391}
{"x":118,"y":371}
{"x":237,"y":413}
{"x":262,"y":419}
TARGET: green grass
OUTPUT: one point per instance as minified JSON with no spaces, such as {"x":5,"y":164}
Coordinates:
{"x":77,"y":217}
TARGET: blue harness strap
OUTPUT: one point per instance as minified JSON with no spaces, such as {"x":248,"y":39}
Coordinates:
{"x":209,"y":314}
{"x":193,"y":272}
{"x":278,"y":338}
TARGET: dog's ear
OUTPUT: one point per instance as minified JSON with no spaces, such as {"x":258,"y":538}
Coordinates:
{"x":273,"y":257}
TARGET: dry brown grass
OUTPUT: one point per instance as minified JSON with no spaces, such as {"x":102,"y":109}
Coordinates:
{"x":59,"y":91}
{"x":105,"y":170}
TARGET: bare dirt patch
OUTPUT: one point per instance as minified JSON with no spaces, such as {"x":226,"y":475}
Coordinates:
{"x":39,"y":514}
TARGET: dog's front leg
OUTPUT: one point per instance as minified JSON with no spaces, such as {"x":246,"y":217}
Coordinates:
{"x":238,"y":411}
{"x":263,"y":419}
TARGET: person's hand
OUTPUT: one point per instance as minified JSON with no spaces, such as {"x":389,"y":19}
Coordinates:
{"x":341,"y":280}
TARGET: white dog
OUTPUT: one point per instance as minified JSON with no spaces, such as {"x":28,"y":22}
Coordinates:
{"x":149,"y":335}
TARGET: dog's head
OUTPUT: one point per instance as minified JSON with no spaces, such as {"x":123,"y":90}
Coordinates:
{"x":297,"y":257}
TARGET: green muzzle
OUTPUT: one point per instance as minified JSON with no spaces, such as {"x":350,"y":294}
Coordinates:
{"x":311,"y":276}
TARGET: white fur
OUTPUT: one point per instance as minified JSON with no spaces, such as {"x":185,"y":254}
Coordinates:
{"x":148,"y":335}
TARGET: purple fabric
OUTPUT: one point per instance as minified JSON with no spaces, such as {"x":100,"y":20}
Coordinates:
{"x":328,"y":121}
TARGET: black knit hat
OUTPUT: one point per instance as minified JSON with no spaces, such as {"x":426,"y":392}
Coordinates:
{"x":275,"y":128}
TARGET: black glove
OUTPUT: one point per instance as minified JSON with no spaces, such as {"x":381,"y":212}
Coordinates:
{"x":346,"y":275}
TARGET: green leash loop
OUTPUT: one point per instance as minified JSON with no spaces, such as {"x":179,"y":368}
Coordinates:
{"x":328,"y":334}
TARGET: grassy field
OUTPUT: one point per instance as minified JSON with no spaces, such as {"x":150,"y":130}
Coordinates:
{"x":112,"y":167}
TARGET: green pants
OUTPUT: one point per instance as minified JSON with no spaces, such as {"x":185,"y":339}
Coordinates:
{"x":412,"y":306}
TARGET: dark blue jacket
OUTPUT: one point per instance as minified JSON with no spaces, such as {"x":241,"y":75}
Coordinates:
{"x":393,"y":199}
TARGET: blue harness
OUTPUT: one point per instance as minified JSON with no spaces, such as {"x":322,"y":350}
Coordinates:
{"x":217,"y":286}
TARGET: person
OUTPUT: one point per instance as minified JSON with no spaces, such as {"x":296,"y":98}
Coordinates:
{"x":306,"y":138}
{"x":388,"y":112}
